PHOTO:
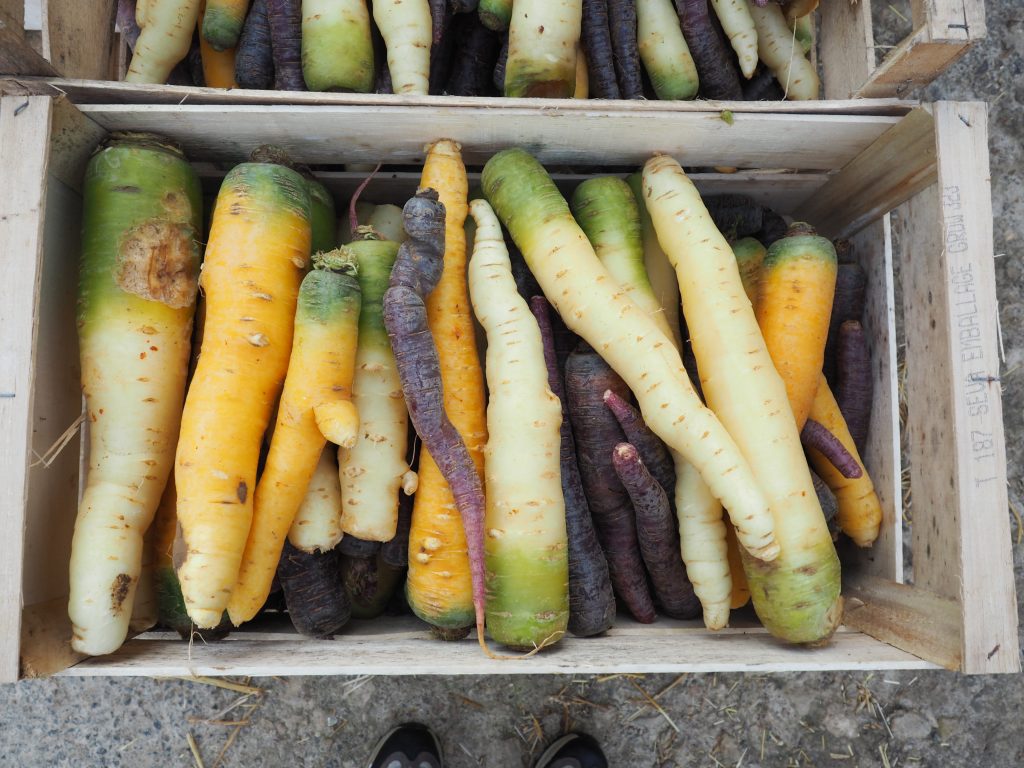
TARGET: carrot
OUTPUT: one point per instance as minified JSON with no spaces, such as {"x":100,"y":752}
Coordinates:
{"x":763,"y":87}
{"x":656,"y":458}
{"x":622,"y":22}
{"x":464,"y":6}
{"x":315,"y":407}
{"x":440,"y":584}
{"x":416,"y":273}
{"x":854,"y":382}
{"x":363,"y":211}
{"x":860,"y":512}
{"x":576,"y":282}
{"x":851,"y":286}
{"x":526,"y":544}
{"x":799,"y":9}
{"x":495,"y":14}
{"x":254,"y":60}
{"x":750,"y":255}
{"x":657,"y":534}
{"x":719,"y":78}
{"x":285,"y":20}
{"x":797,"y":594}
{"x":542,"y":40}
{"x":353,"y":547}
{"x":190,"y":70}
{"x":369,"y":582}
{"x":382,"y":82}
{"x":406,"y":28}
{"x":441,"y":44}
{"x":591,"y":599}
{"x":587,"y":378}
{"x":317,"y":522}
{"x":597,"y":42}
{"x":607,"y":212}
{"x":664,"y":52}
{"x":803,"y":28}
{"x":659,"y":271}
{"x":223,"y":23}
{"x":218,"y":65}
{"x":127,"y":22}
{"x":337,"y":50}
{"x":386,"y":220}
{"x":816,"y":436}
{"x":257,"y":254}
{"x":582,"y":77}
{"x":322,"y":216}
{"x":738,"y":26}
{"x":795,"y":290}
{"x":136,"y":297}
{"x":702,"y":533}
{"x":735,"y":216}
{"x":314,"y":591}
{"x":829,"y":505}
{"x":163,"y":41}
{"x":144,"y":609}
{"x":740,"y":588}
{"x":476,"y":52}
{"x":777,"y":48}
{"x":396,"y":551}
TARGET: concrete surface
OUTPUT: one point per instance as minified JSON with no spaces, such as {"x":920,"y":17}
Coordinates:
{"x":892,"y":719}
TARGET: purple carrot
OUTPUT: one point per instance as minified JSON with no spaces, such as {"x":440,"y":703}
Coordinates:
{"x":774,"y":228}
{"x":254,"y":59}
{"x":736,"y":216}
{"x":498,"y":78}
{"x":716,"y":64}
{"x":382,"y":83}
{"x":829,"y":505}
{"x":763,"y":87}
{"x":126,"y":22}
{"x":416,"y":273}
{"x":353,"y":547}
{"x":658,"y":534}
{"x":591,"y":599}
{"x":854,"y":383}
{"x":313,"y":591}
{"x":815,"y":435}
{"x":396,"y":552}
{"x":285,"y":20}
{"x":656,"y":457}
{"x":597,"y":433}
{"x":848,"y":304}
{"x":440,"y":44}
{"x":476,"y":53}
{"x":463,"y":6}
{"x":597,"y":44}
{"x":622,"y":25}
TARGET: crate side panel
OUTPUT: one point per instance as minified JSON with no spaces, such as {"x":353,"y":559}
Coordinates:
{"x":343,"y":134}
{"x":846,"y":47}
{"x":77,"y":40}
{"x":24,"y":130}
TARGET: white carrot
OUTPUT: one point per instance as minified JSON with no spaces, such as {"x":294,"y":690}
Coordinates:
{"x":739,"y":28}
{"x":542,"y":41}
{"x":781,"y":51}
{"x":317,"y":524}
{"x":164,"y":40}
{"x":406,"y":28}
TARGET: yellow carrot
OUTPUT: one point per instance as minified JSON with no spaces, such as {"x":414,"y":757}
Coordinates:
{"x":257,"y":254}
{"x":218,"y":64}
{"x":439,"y":586}
{"x":315,"y":406}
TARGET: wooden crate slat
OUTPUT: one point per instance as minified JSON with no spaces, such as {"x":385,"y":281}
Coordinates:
{"x":24,"y":128}
{"x":77,"y":39}
{"x":847,"y":47}
{"x":17,"y":56}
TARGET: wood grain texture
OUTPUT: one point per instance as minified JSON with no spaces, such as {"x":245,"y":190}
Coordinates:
{"x":24,"y":151}
{"x":17,"y":55}
{"x":899,"y":164}
{"x":847,"y":51}
{"x":77,"y":39}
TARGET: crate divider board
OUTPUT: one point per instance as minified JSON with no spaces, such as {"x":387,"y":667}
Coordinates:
{"x":962,"y":616}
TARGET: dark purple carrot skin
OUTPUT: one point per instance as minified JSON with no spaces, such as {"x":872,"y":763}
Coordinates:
{"x":416,"y":273}
{"x":591,"y":598}
{"x":597,"y":44}
{"x":396,"y":552}
{"x":190,"y":70}
{"x":382,"y":83}
{"x":763,"y":87}
{"x":622,"y":25}
{"x":829,"y":505}
{"x":854,"y":382}
{"x":498,"y":78}
{"x":587,"y":377}
{"x":657,"y":460}
{"x":126,"y":22}
{"x":716,"y":64}
{"x":657,"y":534}
{"x":464,"y":6}
{"x":440,"y":44}
{"x":353,"y":547}
{"x":774,"y":228}
{"x":736,"y":216}
{"x":848,"y":304}
{"x":815,"y":435}
{"x":476,"y":53}
{"x":285,"y":20}
{"x":313,"y":591}
{"x":254,"y":59}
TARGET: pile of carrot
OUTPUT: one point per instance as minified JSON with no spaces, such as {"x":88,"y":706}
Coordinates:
{"x":603,"y":49}
{"x":309,"y":426}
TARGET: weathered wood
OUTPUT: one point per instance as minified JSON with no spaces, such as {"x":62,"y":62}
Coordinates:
{"x":77,"y":39}
{"x":46,"y":639}
{"x":17,"y":56}
{"x":899,"y":164}
{"x":847,"y":49}
{"x":911,"y":618}
{"x":24,"y":151}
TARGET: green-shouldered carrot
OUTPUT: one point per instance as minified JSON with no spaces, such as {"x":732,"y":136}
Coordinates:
{"x":664,"y":52}
{"x":542,"y":40}
{"x":223,"y":22}
{"x":337,"y":51}
{"x":322,"y":216}
{"x":164,"y":40}
{"x":750,"y":255}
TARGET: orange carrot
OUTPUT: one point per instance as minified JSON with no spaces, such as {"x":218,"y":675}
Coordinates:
{"x":218,"y":64}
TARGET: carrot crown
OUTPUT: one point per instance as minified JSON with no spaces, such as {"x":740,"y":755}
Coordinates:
{"x":341,"y":260}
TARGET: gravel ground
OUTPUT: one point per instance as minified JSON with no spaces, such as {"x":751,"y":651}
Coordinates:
{"x":891,"y":719}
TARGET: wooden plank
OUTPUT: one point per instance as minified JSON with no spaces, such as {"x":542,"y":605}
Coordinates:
{"x":899,"y":164}
{"x":46,"y":639}
{"x":17,"y":56}
{"x":12,"y":13}
{"x":872,"y":247}
{"x":77,"y":42}
{"x":847,"y":49}
{"x":911,"y":618}
{"x":970,"y":313}
{"x":626,"y":650}
{"x":94,"y":92}
{"x":950,"y":19}
{"x":24,"y":151}
{"x":346,"y":134}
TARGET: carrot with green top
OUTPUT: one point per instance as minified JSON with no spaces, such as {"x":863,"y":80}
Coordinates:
{"x":781,"y":52}
{"x":542,"y":40}
{"x":316,"y":407}
{"x":257,"y":254}
{"x":322,"y":216}
{"x":664,"y":52}
{"x":337,"y":50}
{"x":218,"y":64}
{"x":223,"y":22}
{"x":795,"y":290}
{"x":750,"y":255}
{"x":136,"y":298}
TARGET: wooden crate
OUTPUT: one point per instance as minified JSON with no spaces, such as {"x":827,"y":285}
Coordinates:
{"x":844,"y":173}
{"x":79,"y":47}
